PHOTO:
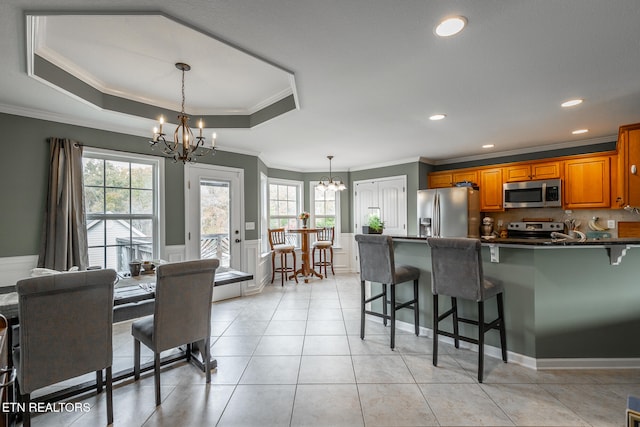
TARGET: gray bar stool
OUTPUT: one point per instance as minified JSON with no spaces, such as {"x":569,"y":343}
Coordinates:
{"x":377,"y":264}
{"x":457,"y":272}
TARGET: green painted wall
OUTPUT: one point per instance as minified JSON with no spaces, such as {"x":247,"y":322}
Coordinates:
{"x":24,"y":180}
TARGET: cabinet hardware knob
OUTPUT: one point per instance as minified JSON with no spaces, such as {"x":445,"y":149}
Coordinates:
{"x":634,"y":169}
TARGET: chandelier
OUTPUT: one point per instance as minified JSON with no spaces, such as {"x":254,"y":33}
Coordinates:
{"x":184,"y":144}
{"x":331,"y":183}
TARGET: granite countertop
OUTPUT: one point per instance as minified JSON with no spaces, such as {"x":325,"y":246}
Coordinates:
{"x":543,"y":242}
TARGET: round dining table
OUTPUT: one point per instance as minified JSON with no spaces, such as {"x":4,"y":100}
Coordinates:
{"x":306,"y":270}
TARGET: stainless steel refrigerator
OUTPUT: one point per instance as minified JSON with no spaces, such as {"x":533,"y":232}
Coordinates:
{"x":449,"y":212}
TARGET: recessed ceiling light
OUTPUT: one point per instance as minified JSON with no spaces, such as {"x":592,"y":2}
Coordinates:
{"x":579,"y":131}
{"x":488,"y":146}
{"x":451,"y":26}
{"x":437,"y":117}
{"x":572,"y":102}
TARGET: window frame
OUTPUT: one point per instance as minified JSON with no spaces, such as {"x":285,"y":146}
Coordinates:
{"x":312,"y":203}
{"x":157,"y":217}
{"x":299,"y":203}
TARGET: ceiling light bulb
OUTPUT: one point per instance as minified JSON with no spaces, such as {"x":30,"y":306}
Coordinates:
{"x":579,"y":131}
{"x":572,"y":102}
{"x":437,"y":117}
{"x":451,"y":26}
{"x":488,"y":146}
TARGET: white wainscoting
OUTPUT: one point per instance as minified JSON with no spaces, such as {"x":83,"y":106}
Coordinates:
{"x":15,"y":268}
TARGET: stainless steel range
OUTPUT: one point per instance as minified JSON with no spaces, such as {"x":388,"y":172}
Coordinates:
{"x":533,"y":230}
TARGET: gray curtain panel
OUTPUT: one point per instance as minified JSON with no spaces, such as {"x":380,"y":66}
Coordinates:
{"x":64,"y":233}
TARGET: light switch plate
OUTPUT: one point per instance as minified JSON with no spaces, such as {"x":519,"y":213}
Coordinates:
{"x":611,"y":223}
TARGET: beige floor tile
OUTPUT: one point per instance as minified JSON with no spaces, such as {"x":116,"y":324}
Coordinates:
{"x":229,"y":370}
{"x":324,"y":345}
{"x":327,"y":405}
{"x":325,"y":314}
{"x":259,"y":405}
{"x":271,"y":370}
{"x":383,"y":369}
{"x":395,"y":405}
{"x":448,"y":370}
{"x":286,"y":327}
{"x":235,"y":346}
{"x":325,"y":327}
{"x":326,"y":370}
{"x":290,"y":314}
{"x":246,"y":327}
{"x":280,"y":345}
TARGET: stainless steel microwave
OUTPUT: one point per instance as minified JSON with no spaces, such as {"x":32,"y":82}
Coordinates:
{"x":533,"y":194}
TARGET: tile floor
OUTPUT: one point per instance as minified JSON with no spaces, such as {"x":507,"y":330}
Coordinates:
{"x":292,"y":356}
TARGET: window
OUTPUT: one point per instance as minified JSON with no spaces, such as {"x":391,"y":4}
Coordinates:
{"x":285,"y":203}
{"x":122,"y":200}
{"x":325,"y":209}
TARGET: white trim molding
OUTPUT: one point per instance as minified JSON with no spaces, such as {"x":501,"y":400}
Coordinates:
{"x":15,"y":268}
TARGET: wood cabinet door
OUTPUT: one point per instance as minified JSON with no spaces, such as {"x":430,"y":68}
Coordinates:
{"x":517,"y":173}
{"x":439,"y":180}
{"x":587,"y":183}
{"x":491,"y":190}
{"x":470,"y":176}
{"x":633,"y":164}
{"x":550,"y":170}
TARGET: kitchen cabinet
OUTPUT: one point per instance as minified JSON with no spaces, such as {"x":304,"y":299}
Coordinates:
{"x":587,"y":182}
{"x":628,"y":176}
{"x":491,"y":189}
{"x":532,"y":171}
{"x":440,"y":179}
{"x":449,"y":178}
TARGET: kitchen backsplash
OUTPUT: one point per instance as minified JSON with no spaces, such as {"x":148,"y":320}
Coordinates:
{"x":559,"y":215}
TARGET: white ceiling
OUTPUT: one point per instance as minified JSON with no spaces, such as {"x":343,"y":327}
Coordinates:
{"x":369,"y":73}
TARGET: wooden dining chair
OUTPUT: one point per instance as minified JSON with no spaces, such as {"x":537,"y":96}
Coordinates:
{"x":279,"y":246}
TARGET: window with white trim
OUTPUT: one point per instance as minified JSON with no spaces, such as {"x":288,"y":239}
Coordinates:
{"x":122,"y":205}
{"x":325,"y":210}
{"x":285,"y":203}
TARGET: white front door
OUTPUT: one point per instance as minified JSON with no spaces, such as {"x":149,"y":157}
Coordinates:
{"x":214,"y":214}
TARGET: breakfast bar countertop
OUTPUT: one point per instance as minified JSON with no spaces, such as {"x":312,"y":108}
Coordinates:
{"x":629,"y":241}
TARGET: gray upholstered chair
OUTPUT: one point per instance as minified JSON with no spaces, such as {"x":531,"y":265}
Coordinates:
{"x":279,"y":246}
{"x":66,"y":327}
{"x":182,"y":314}
{"x":323,"y":244}
{"x":377,"y":264}
{"x":457,"y":272}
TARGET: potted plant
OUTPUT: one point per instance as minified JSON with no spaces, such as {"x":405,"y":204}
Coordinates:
{"x":374,"y":226}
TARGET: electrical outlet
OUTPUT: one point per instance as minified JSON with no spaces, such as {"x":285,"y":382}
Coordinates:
{"x":611,"y":223}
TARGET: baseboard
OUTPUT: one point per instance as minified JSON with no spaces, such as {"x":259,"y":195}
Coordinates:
{"x":589,"y":363}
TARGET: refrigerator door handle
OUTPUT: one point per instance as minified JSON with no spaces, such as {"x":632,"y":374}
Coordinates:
{"x":436,"y":216}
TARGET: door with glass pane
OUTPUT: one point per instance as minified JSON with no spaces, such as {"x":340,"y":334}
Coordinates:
{"x":214,"y":216}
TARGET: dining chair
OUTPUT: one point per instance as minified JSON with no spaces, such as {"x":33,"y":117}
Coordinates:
{"x":281,"y":247}
{"x":324,"y":243}
{"x":456,"y":271}
{"x":377,"y":264}
{"x":182,"y":314}
{"x":66,"y":327}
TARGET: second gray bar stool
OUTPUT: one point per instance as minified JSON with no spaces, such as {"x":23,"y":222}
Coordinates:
{"x":377,"y":264}
{"x":456,"y":268}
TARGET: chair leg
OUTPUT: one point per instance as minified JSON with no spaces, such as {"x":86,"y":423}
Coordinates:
{"x":295,"y":277}
{"x":283,"y":268}
{"x":207,"y":358}
{"x":109,"y":395}
{"x":136,"y":359}
{"x":188,"y":352}
{"x":503,"y":331}
{"x":416,"y":308}
{"x":313,"y":261}
{"x":331,"y":252}
{"x":362,"y":306}
{"x":393,"y":315}
{"x":99,"y":381}
{"x":26,"y":415}
{"x":480,"y":340}
{"x":385,"y":301}
{"x":435,"y":330}
{"x":273,"y":266}
{"x":156,"y":375}
{"x":456,"y":329}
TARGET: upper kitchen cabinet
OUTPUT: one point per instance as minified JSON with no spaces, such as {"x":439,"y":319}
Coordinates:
{"x":450,"y":178}
{"x":587,"y":182}
{"x":491,"y":189}
{"x":532,"y":171}
{"x":628,"y":178}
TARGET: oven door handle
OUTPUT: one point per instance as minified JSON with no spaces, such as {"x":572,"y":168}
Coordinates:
{"x":544,"y":194}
